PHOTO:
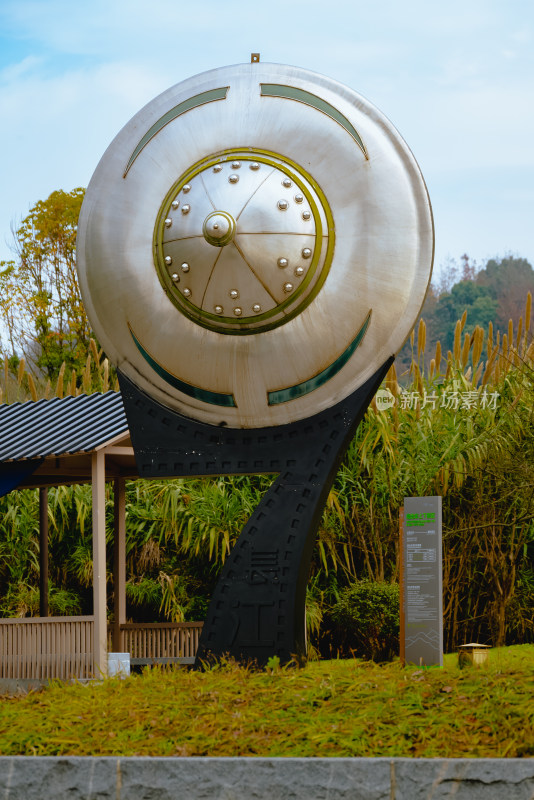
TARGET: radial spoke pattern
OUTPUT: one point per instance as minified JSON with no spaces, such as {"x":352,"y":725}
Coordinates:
{"x":240,"y":243}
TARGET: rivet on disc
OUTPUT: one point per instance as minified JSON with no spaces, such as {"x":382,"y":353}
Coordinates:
{"x":306,"y":214}
{"x":299,"y":198}
{"x":282,"y":262}
{"x":288,"y":287}
{"x":234,"y":294}
{"x":217,"y":168}
{"x":287,"y":183}
{"x":187,"y":292}
{"x":185,"y":267}
{"x":256,"y":308}
{"x":168,"y":222}
{"x":176,"y":277}
{"x":186,"y":189}
{"x":299,"y":271}
{"x":175,"y":204}
{"x":168,"y":260}
{"x":283,"y":205}
{"x":236,"y":164}
{"x":233,"y":178}
{"x":186,"y":209}
{"x":218,"y":309}
{"x":306,"y":252}
{"x":254,"y":165}
{"x":237,"y":311}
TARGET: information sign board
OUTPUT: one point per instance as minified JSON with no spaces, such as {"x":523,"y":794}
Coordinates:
{"x":422,"y":582}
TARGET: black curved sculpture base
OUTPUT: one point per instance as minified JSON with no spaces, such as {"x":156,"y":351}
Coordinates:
{"x":258,"y":606}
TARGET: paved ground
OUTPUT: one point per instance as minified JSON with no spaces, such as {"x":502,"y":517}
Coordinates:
{"x":23,"y":778}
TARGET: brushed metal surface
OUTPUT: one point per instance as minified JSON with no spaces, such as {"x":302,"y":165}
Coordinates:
{"x":369,"y":229}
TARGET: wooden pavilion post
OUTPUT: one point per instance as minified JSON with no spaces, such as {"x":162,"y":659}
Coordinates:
{"x":43,"y":551}
{"x":98,"y":472}
{"x":119,"y":563}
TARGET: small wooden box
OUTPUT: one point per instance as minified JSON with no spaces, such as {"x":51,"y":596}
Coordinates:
{"x":473,"y":654}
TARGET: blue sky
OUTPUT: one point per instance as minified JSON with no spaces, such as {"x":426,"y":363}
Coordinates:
{"x":456,"y":79}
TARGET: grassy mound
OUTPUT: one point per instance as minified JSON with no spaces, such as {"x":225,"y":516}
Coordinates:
{"x":329,"y":708}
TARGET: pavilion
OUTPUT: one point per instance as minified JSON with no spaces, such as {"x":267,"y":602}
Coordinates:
{"x":70,"y":440}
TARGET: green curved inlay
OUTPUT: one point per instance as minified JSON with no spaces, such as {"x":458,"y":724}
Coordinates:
{"x":292,"y":93}
{"x":292,"y":392}
{"x":214,"y":398}
{"x":181,"y":108}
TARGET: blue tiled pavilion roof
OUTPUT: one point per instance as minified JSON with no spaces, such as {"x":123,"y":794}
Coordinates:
{"x":60,"y":426}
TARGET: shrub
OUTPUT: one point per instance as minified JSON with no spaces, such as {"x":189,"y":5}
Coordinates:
{"x":366,"y":617}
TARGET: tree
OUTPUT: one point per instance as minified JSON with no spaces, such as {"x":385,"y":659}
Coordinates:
{"x":493,"y":294}
{"x":441,"y":312}
{"x":43,"y":315}
{"x":507,"y":280}
{"x":467,"y":296}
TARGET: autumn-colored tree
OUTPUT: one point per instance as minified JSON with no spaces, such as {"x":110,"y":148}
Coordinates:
{"x":507,"y":280}
{"x":43,"y":317}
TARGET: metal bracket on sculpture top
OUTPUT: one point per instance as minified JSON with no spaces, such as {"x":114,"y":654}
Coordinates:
{"x":258,"y":606}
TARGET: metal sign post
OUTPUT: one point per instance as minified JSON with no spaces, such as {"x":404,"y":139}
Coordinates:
{"x":422,"y":582}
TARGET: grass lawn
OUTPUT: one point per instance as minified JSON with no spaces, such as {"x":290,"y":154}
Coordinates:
{"x":329,"y":708}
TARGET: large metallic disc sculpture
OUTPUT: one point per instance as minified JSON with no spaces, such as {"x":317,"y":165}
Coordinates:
{"x":253,"y":249}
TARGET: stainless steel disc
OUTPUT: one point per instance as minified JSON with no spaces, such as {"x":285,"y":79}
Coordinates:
{"x":254,"y":244}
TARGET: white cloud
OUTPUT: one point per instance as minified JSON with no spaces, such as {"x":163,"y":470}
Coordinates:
{"x":19,"y":70}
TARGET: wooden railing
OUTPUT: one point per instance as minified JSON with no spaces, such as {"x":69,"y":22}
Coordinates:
{"x":160,"y":642}
{"x":46,"y":647}
{"x":41,"y":648}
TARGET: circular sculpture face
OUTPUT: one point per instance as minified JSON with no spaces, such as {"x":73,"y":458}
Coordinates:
{"x":254,"y":244}
{"x":254,"y":262}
